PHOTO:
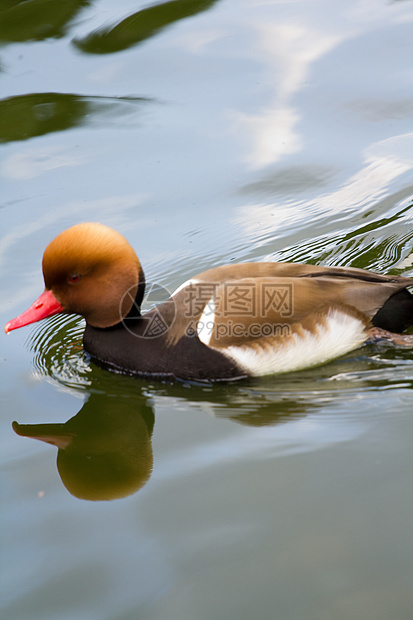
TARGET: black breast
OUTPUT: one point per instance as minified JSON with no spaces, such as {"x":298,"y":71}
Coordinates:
{"x":126,"y":350}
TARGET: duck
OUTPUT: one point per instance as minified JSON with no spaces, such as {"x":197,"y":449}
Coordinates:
{"x":227,"y":323}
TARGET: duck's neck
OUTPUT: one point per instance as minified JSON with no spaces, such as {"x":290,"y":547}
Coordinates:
{"x":140,"y":292}
{"x":135,"y":311}
{"x":134,"y":314}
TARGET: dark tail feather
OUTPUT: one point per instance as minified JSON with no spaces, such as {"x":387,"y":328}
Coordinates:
{"x":396,"y":315}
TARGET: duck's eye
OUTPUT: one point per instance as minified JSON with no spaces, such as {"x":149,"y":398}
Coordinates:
{"x":75,"y":277}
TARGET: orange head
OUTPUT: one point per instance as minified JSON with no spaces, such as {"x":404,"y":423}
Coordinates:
{"x":88,"y":269}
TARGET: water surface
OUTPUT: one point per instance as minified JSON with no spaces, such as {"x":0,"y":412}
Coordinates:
{"x":207,"y":132}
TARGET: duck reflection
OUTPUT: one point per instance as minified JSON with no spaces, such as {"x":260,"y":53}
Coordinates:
{"x":105,"y":451}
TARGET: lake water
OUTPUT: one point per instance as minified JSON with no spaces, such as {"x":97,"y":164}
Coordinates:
{"x":207,"y":132}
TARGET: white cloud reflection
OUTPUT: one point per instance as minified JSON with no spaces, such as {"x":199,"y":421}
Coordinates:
{"x":383,"y":162}
{"x":289,"y":51}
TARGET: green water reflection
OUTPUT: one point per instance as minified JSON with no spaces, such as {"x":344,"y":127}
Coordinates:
{"x":140,"y":26}
{"x":37,"y":19}
{"x":26,"y":116}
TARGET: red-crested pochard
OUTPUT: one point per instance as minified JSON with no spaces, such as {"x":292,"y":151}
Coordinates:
{"x":226,"y":323}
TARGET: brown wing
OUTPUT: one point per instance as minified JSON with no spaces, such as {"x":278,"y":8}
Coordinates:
{"x":246,"y":309}
{"x":237,"y":303}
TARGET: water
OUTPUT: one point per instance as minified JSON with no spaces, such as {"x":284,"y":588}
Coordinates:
{"x":207,"y":133}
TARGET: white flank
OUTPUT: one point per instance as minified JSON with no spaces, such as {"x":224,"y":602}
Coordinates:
{"x":205,"y":325}
{"x":340,"y":334}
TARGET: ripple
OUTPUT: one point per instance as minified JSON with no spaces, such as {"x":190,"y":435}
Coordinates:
{"x":379,"y":245}
{"x":58,"y":352}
